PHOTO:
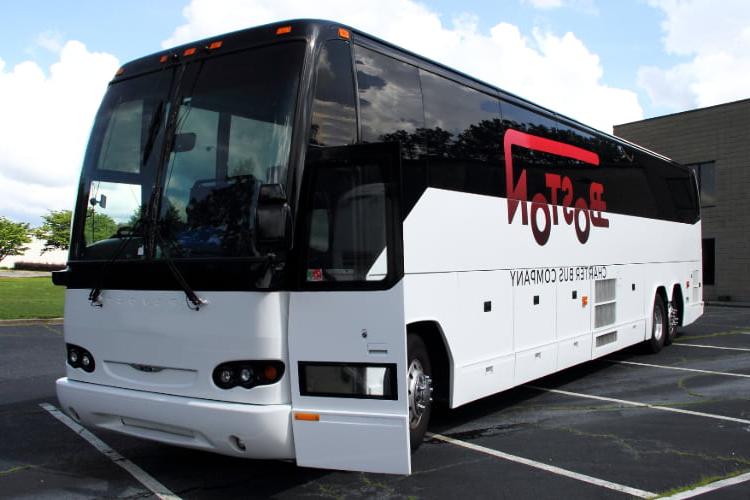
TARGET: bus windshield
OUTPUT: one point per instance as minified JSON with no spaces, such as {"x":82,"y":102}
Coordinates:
{"x":177,"y":157}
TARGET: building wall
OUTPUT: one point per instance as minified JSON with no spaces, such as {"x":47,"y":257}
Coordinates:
{"x":720,"y":134}
{"x":34,"y":254}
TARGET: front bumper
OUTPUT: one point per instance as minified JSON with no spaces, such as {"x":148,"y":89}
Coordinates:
{"x":252,"y":431}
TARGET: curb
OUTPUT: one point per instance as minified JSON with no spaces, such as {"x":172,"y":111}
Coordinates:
{"x":29,"y":322}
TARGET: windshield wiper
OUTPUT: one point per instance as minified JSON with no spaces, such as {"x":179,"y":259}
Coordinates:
{"x":153,"y":130}
{"x":190,"y":294}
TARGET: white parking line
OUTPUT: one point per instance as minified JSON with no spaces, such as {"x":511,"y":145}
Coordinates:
{"x":546,"y":467}
{"x":712,"y":486}
{"x":685,"y":344}
{"x":709,"y":372}
{"x":142,"y":476}
{"x":642,"y":405}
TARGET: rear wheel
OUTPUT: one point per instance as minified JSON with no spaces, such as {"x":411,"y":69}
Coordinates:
{"x":419,"y":386}
{"x":659,"y":326}
{"x":673,"y":319}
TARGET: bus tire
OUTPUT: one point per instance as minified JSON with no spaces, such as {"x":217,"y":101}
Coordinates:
{"x":419,"y":388}
{"x":659,"y":326}
{"x":672,"y":319}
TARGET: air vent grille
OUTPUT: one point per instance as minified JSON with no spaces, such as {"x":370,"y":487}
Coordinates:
{"x":605,"y":314}
{"x":605,"y":290}
{"x":606,"y":338}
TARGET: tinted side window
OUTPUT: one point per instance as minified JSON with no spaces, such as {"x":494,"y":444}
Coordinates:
{"x":390,"y":100}
{"x":333,"y":114}
{"x":463,"y":137}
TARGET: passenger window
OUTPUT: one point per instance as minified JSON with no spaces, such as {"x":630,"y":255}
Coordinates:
{"x":334,"y":117}
{"x":463,"y":137}
{"x":390,"y":100}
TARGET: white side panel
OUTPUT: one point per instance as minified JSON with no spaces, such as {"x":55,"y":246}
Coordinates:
{"x":535,"y":363}
{"x":570,"y":352}
{"x":573,"y":308}
{"x":533,"y":316}
{"x":450,"y":237}
{"x":350,"y":327}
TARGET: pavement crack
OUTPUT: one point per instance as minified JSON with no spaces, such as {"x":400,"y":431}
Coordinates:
{"x":614,"y":438}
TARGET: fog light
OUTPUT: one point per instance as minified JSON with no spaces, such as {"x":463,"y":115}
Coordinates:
{"x":245,"y":375}
{"x":73,"y":356}
{"x":226,"y":375}
{"x":85,"y":360}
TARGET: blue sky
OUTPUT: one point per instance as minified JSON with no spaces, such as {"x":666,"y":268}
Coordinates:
{"x":602,"y":62}
{"x":625,"y":34}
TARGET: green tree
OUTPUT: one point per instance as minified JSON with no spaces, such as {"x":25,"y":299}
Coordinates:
{"x":98,"y":226}
{"x":55,"y":230}
{"x":13,"y":237}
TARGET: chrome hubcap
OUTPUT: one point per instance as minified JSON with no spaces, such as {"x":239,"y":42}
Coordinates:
{"x":420,"y":392}
{"x":658,"y":323}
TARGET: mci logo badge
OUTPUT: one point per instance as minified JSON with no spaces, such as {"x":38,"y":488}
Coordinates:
{"x":581,"y":213}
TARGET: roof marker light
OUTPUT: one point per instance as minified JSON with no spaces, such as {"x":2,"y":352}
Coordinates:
{"x":344,"y":33}
{"x":189,"y":52}
{"x":120,"y":71}
{"x":215,"y":45}
{"x":283,"y":30}
{"x":164,"y":59}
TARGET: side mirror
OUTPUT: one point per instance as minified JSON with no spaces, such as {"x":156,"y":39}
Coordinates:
{"x":273,"y":217}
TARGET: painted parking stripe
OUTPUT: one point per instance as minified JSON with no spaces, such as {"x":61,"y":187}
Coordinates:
{"x":708,"y":372}
{"x":139,"y":474}
{"x":712,"y":487}
{"x":642,"y":405}
{"x":686,"y":344}
{"x":545,"y":467}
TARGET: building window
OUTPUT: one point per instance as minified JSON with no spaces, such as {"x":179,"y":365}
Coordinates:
{"x":709,"y":253}
{"x":706,"y":174}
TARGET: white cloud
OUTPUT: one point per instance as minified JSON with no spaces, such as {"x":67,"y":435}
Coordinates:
{"x":44,"y":124}
{"x":50,"y":40}
{"x":716,"y":41}
{"x":544,"y":4}
{"x":555,"y":71}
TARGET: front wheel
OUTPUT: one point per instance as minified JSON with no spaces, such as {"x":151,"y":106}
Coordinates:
{"x":659,"y":326}
{"x":419,"y":385}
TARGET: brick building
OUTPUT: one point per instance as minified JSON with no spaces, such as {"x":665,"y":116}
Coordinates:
{"x":715,"y":142}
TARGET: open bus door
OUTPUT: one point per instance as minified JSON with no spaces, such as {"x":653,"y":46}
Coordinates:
{"x":347,"y":338}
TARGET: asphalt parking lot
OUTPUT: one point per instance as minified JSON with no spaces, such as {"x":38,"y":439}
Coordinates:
{"x":629,"y":425}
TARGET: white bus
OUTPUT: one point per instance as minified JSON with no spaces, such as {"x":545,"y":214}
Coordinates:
{"x":305,"y":235}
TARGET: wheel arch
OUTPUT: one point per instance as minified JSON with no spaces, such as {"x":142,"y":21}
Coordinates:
{"x":678,"y":301}
{"x":440,"y":356}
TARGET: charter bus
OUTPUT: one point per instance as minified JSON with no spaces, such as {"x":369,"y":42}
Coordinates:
{"x":291,"y":241}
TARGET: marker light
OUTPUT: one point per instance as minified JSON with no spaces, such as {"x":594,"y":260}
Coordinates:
{"x":247,"y":374}
{"x":164,"y":59}
{"x":78,"y":357}
{"x":283,"y":30}
{"x":215,"y":45}
{"x":189,"y":52}
{"x":270,"y":372}
{"x":120,"y":71}
{"x":344,"y":33}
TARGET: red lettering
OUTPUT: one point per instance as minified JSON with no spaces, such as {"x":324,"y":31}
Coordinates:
{"x":582,"y":209}
{"x":567,"y":187}
{"x":598,"y":205}
{"x":539,"y":202}
{"x":553,"y":183}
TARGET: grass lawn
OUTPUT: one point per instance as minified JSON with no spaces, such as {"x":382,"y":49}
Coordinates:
{"x":30,"y":298}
